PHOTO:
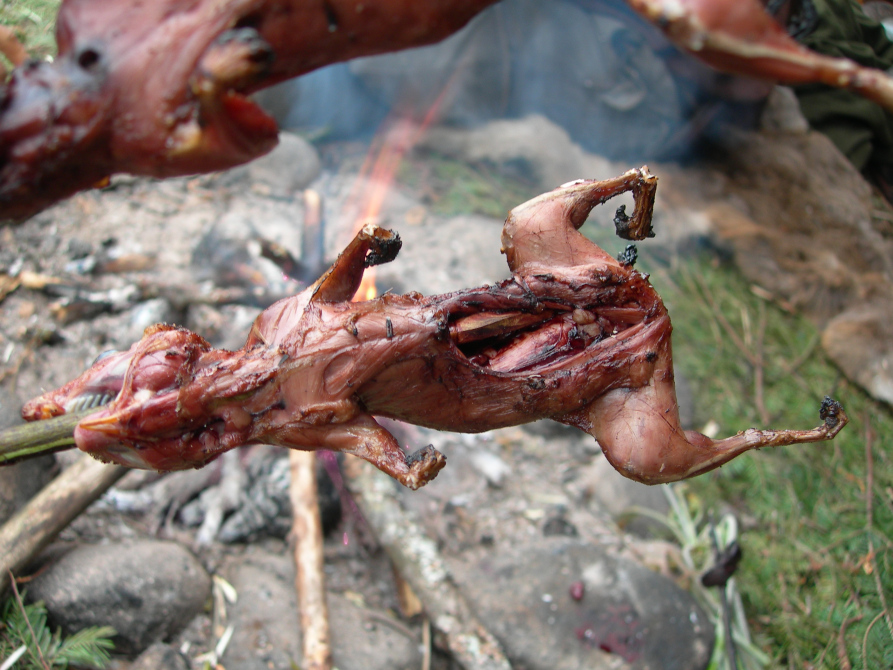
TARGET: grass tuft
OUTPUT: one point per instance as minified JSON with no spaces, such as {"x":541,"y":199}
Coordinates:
{"x":34,"y":22}
{"x":816,"y":578}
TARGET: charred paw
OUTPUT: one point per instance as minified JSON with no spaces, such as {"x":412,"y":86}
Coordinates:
{"x":629,"y":256}
{"x":384,"y":250}
{"x":424,"y":465}
{"x":830,"y":412}
{"x":238,"y":58}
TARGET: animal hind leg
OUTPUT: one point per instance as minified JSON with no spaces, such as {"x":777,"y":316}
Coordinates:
{"x":639,"y":432}
{"x":649,"y":446}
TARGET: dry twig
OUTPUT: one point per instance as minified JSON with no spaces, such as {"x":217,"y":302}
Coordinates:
{"x":842,"y":657}
{"x":310,"y":579}
{"x":18,"y":599}
{"x":865,"y":639}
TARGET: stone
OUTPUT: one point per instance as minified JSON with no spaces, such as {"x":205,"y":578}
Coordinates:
{"x":443,"y":256}
{"x":620,"y":497}
{"x":782,"y":112}
{"x":143,"y":315}
{"x":146,"y":590}
{"x":859,"y":343}
{"x":491,"y":466}
{"x":570,"y":604}
{"x":532,"y":147}
{"x":267,"y":626}
{"x":160,"y":656}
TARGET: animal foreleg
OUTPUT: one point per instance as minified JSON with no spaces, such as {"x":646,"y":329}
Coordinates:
{"x":362,"y":436}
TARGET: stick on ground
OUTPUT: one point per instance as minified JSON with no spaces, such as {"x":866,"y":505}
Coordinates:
{"x":416,"y":558}
{"x":310,"y":579}
{"x":51,"y":510}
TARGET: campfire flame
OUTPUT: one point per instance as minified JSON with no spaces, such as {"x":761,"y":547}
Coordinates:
{"x":391,"y":144}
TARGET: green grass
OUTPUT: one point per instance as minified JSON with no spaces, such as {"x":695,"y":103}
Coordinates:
{"x":34,"y":21}
{"x":450,"y":187}
{"x":818,"y":519}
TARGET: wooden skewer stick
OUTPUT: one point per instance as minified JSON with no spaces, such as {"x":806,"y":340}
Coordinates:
{"x":310,"y":578}
{"x":30,"y":440}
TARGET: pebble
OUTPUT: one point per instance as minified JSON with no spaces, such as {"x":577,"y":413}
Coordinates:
{"x":160,"y":656}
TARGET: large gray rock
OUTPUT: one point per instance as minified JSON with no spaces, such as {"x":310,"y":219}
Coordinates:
{"x":535,"y":147}
{"x":267,"y":626}
{"x":859,"y":342}
{"x":587,"y":71}
{"x":146,"y":590}
{"x":628,"y":616}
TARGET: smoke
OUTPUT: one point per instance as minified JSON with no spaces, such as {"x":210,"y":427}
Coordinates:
{"x":592,"y":67}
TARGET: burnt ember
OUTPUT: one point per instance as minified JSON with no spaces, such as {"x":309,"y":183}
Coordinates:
{"x":574,"y":335}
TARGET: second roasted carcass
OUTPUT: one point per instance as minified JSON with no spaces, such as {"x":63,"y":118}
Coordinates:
{"x":162,"y":88}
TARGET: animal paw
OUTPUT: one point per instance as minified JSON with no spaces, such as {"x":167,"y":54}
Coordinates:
{"x":423,"y":465}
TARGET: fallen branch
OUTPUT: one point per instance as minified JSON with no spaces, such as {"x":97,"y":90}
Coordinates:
{"x":310,"y":578}
{"x":418,"y":561}
{"x":51,"y":510}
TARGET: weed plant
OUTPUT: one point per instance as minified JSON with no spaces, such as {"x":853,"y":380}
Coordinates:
{"x":26,"y":642}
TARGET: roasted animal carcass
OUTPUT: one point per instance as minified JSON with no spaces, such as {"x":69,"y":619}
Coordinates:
{"x":160,"y":88}
{"x":740,"y":37}
{"x":575,"y":335}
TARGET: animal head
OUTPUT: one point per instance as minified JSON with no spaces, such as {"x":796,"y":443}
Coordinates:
{"x":144,"y":418}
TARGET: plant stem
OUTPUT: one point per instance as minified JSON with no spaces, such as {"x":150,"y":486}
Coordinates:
{"x":18,"y":598}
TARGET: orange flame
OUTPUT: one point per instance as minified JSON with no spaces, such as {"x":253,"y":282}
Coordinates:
{"x":377,"y":174}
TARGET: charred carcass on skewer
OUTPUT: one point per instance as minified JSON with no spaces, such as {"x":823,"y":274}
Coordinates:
{"x":160,"y":88}
{"x":575,"y":335}
{"x":740,"y":37}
